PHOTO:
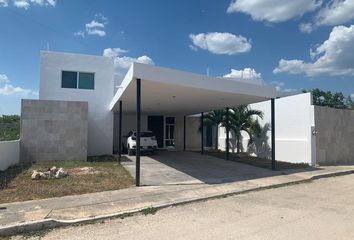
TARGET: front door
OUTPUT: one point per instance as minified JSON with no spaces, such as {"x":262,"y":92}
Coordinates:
{"x":155,"y":124}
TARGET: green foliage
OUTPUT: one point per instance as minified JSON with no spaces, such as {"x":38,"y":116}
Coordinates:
{"x":149,"y":210}
{"x":9,"y":127}
{"x":241,"y":119}
{"x":331,"y":99}
{"x":214,"y":119}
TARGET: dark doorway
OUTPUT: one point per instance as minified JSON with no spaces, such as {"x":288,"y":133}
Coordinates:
{"x":209,"y":136}
{"x":155,"y":124}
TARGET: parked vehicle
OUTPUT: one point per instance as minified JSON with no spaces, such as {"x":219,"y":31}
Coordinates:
{"x":148,"y":142}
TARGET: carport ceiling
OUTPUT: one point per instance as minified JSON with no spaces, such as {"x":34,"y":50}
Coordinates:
{"x":167,"y":91}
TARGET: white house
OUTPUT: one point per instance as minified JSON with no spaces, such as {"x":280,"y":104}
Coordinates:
{"x":80,"y":99}
{"x":167,"y":96}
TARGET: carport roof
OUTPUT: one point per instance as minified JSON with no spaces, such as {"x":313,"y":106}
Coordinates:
{"x":167,"y":91}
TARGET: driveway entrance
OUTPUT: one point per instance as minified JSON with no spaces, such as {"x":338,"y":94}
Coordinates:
{"x":169,"y":167}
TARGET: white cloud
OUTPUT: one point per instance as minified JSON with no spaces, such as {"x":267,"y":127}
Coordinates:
{"x":52,"y":2}
{"x":352,"y":96}
{"x":9,"y":89}
{"x":21,"y":4}
{"x":306,"y":27}
{"x":221,"y":43}
{"x":26,"y":4}
{"x":122,"y":63}
{"x":95,"y":27}
{"x":336,"y":12}
{"x":333,"y":57}
{"x":98,"y":32}
{"x":4,"y":3}
{"x":94,"y":24}
{"x":246,"y":73}
{"x":273,"y":10}
{"x":4,"y":79}
{"x":79,"y":34}
{"x":281,"y":90}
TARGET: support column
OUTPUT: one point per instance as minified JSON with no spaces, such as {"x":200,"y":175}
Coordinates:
{"x":202,"y":133}
{"x":120,"y":132}
{"x":273,"y":131}
{"x":138,"y":125}
{"x":184,"y":133}
{"x":227,"y":144}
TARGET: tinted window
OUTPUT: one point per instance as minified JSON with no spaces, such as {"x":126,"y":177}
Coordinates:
{"x":86,"y":80}
{"x":68,"y":79}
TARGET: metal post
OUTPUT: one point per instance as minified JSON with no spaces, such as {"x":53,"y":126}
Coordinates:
{"x":184,"y":133}
{"x":120,"y":132}
{"x":227,"y":135}
{"x":138,"y":124}
{"x":273,"y":131}
{"x":202,"y":133}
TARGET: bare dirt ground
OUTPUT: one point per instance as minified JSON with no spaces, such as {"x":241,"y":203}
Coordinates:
{"x":323,"y":209}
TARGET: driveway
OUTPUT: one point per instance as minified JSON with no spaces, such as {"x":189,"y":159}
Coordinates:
{"x":176,"y":167}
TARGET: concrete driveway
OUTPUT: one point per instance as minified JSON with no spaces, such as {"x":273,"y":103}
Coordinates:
{"x":175,"y":167}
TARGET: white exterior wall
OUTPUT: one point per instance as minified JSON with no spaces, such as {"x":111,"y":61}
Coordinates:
{"x":100,"y":119}
{"x":10,"y":153}
{"x":294,"y":117}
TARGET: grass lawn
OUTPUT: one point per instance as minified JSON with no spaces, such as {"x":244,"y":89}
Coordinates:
{"x":258,"y":162}
{"x":102,"y":174}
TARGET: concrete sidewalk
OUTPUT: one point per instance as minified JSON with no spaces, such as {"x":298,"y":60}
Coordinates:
{"x":35,"y":215}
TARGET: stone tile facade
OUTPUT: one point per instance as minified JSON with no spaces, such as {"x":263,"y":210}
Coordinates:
{"x":335,"y":136}
{"x":193,"y":137}
{"x":53,"y":130}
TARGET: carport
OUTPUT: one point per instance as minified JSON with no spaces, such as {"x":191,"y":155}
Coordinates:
{"x":150,"y":89}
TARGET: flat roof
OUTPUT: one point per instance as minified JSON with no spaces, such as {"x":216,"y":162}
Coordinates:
{"x":168,"y":91}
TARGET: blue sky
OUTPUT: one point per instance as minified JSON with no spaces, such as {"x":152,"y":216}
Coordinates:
{"x":292,"y":45}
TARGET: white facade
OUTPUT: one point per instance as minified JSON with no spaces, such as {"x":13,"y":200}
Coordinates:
{"x":100,"y":129}
{"x":294,"y":125}
{"x":10,"y":153}
{"x":165,"y":92}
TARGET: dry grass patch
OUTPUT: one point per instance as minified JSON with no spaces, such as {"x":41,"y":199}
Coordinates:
{"x":84,"y":177}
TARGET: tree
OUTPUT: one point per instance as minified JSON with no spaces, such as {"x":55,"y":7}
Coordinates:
{"x":214,"y":119}
{"x":330,"y":99}
{"x":9,"y":127}
{"x":241,"y":119}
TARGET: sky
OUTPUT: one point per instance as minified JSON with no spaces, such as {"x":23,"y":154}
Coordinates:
{"x":291,"y":45}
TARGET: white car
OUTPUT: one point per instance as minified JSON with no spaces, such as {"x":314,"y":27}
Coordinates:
{"x":148,"y":142}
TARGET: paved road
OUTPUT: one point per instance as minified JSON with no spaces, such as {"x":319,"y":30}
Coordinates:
{"x":323,"y":209}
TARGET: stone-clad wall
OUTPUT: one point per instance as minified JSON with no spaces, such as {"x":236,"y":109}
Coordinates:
{"x":193,"y":138}
{"x":53,"y":130}
{"x":335,"y":136}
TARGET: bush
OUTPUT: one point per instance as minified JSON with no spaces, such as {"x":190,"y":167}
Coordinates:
{"x":9,"y":127}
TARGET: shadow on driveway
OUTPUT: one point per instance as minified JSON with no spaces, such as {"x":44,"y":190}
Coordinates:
{"x":177,"y":167}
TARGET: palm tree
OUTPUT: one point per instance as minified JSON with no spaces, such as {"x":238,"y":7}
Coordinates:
{"x":241,"y":119}
{"x":214,"y":119}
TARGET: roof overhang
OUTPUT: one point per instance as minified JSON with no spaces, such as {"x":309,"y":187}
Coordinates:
{"x":171,"y":92}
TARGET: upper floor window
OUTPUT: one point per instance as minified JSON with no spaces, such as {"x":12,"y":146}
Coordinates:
{"x":80,"y":80}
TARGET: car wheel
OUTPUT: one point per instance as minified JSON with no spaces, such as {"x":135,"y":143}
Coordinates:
{"x":130,"y":151}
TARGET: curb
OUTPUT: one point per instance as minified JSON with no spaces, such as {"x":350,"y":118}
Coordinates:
{"x":45,"y":224}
